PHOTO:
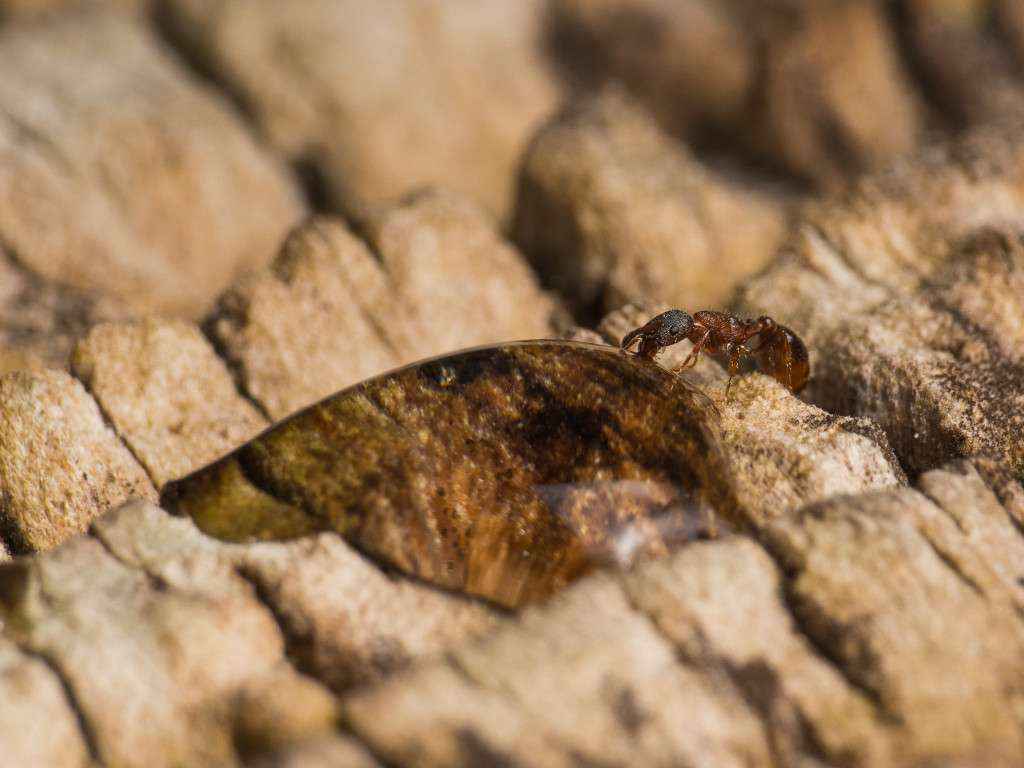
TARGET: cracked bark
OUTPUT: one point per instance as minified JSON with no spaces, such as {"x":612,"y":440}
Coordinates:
{"x":82,"y":720}
{"x":885,"y":253}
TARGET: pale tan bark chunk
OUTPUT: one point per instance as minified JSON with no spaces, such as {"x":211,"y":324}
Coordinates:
{"x":167,"y":394}
{"x":122,"y":175}
{"x":585,"y":678}
{"x":60,"y":465}
{"x":328,"y":314}
{"x":908,"y":295}
{"x":721,"y":604}
{"x":815,"y":87}
{"x":37,"y":724}
{"x":382,"y":102}
{"x":164,"y":658}
{"x":890,"y":607}
{"x":611,"y":209}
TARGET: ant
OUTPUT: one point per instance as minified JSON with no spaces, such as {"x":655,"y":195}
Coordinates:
{"x":781,"y":353}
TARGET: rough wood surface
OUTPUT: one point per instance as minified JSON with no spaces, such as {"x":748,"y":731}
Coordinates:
{"x":167,"y":394}
{"x":610,"y":208}
{"x":854,"y":169}
{"x":415,"y":93}
{"x":123,"y":175}
{"x":814,"y":86}
{"x":331,"y":311}
{"x":62,"y":465}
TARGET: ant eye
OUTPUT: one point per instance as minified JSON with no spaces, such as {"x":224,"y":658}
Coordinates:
{"x":766,"y":321}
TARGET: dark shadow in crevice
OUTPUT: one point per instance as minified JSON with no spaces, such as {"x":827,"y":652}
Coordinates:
{"x":85,"y":728}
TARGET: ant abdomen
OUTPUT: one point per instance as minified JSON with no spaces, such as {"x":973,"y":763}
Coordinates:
{"x":783,"y":356}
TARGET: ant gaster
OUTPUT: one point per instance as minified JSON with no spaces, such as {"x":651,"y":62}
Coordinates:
{"x":780,"y":352}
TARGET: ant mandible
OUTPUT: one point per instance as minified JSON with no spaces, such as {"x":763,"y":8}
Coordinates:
{"x":781,"y":353}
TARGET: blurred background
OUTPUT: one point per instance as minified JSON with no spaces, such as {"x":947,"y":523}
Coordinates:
{"x":155,"y":152}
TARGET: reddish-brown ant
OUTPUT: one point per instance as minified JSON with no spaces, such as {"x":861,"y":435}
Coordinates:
{"x":780,"y":353}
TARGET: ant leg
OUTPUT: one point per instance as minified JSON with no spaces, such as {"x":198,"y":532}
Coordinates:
{"x":734,"y":351}
{"x":712,"y":523}
{"x":691,"y":359}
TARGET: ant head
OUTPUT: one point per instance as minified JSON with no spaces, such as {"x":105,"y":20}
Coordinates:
{"x":766,"y":322}
{"x":674,"y":326}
